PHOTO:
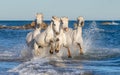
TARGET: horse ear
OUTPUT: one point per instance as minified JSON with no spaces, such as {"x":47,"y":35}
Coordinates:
{"x":39,"y":14}
{"x":61,"y":19}
{"x":52,"y":19}
{"x":66,"y":17}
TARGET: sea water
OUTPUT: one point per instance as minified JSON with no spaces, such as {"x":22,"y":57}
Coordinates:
{"x":101,"y":57}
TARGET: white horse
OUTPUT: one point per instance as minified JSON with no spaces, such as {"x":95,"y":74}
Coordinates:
{"x":61,"y":38}
{"x":47,"y":37}
{"x":71,"y":36}
{"x":31,"y":35}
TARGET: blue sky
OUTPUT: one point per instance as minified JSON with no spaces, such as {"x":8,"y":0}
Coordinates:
{"x":89,"y":9}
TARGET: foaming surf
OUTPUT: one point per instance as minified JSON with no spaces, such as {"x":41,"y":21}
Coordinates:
{"x":49,"y":64}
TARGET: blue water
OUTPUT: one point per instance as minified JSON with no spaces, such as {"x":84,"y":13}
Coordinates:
{"x":102,"y":51}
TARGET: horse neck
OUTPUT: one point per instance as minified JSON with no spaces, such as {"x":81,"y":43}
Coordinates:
{"x":39,"y":21}
{"x":65,"y":24}
{"x":49,"y":29}
{"x":61,"y":31}
{"x":79,"y":30}
{"x":36,"y":32}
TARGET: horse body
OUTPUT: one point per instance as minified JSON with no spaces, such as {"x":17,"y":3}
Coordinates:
{"x":69,"y":37}
{"x":31,"y":36}
{"x":30,"y":39}
{"x":77,"y":35}
{"x":46,"y":38}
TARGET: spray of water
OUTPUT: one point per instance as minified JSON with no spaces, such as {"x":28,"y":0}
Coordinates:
{"x":88,"y":36}
{"x":94,"y":51}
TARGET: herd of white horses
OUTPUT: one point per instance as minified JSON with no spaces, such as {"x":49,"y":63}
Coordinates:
{"x":55,"y":36}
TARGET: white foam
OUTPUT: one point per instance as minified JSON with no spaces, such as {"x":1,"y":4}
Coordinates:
{"x":38,"y":65}
{"x":7,"y":54}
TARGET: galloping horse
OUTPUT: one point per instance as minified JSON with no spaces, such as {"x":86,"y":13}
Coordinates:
{"x":71,"y":36}
{"x":31,"y":35}
{"x":47,"y":37}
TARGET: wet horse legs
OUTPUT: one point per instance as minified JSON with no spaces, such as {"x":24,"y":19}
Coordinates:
{"x":69,"y":53}
{"x":51,"y":49}
{"x":81,"y":50}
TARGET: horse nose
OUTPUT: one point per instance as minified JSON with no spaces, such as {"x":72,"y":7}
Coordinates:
{"x":57,"y":33}
{"x":65,"y":29}
{"x":57,"y":39}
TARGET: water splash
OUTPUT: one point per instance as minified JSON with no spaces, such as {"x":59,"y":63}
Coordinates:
{"x":88,"y":35}
{"x":95,"y":49}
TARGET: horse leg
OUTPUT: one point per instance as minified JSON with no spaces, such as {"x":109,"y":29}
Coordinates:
{"x":81,"y":50}
{"x":57,"y":48}
{"x":51,"y":49}
{"x":36,"y":50}
{"x":69,"y":53}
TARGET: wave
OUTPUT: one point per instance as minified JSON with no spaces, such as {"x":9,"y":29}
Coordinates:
{"x":57,"y":65}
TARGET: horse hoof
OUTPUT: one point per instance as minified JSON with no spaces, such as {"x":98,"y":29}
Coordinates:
{"x":51,"y":52}
{"x":51,"y":41}
{"x":69,"y":56}
{"x":56,"y":51}
{"x":40,"y":47}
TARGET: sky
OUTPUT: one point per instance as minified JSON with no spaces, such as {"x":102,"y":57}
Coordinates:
{"x":89,"y":9}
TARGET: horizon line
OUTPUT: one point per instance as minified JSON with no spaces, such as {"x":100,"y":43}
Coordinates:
{"x":49,"y":19}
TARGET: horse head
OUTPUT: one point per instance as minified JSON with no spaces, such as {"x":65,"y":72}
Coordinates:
{"x":39,"y":20}
{"x":64,"y":22}
{"x":80,"y":21}
{"x":56,"y":24}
